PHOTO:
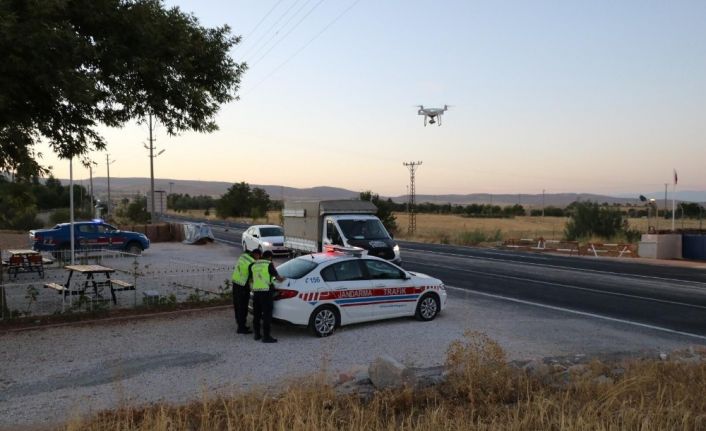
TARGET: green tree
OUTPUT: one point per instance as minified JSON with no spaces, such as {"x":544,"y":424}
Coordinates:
{"x":134,"y":210}
{"x":259,"y":202}
{"x":385,"y":209}
{"x":18,"y":209}
{"x":589,"y":219}
{"x":235,"y":202}
{"x":70,"y":65}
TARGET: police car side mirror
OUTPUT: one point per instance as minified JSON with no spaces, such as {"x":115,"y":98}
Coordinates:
{"x":407,"y":276}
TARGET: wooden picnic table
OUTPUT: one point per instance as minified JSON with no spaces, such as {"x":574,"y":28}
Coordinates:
{"x":90,"y":271}
{"x":24,"y":260}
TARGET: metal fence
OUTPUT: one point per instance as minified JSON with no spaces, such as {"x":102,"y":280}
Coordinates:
{"x":156,"y":282}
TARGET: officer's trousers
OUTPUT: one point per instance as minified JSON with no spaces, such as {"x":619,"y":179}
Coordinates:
{"x":241,"y":298}
{"x":262,"y":309}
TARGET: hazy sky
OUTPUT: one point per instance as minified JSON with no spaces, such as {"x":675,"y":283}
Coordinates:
{"x":584,"y":96}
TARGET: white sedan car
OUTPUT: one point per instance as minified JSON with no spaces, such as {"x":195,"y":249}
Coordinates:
{"x":326,"y":290}
{"x":265,"y":237}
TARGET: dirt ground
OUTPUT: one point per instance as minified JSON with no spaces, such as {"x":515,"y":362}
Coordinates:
{"x":11,"y":239}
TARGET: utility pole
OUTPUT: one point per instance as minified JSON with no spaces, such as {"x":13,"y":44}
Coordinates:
{"x":90,"y":184}
{"x":108,"y":162}
{"x":171,"y":184}
{"x":412,"y":166}
{"x":543,"y":203}
{"x":152,"y":156}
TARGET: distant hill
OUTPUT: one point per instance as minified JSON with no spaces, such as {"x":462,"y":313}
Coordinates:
{"x":132,"y":186}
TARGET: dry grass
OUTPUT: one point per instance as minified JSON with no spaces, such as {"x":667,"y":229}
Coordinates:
{"x":272,"y":217}
{"x":454,"y":229}
{"x":483,"y":392}
{"x":450,"y":228}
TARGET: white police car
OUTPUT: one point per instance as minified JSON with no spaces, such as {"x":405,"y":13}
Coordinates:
{"x":340,"y":287}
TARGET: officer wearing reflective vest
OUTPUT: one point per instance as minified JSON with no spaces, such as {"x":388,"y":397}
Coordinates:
{"x":263,"y":274}
{"x":241,"y":289}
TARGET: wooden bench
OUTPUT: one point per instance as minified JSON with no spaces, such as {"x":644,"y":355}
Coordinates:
{"x":58,"y":287}
{"x":124,"y":285}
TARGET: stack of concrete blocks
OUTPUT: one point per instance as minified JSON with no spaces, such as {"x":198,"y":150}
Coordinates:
{"x":661,"y":246}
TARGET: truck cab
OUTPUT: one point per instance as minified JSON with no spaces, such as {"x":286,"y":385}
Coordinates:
{"x":363,"y":231}
{"x":311,"y":225}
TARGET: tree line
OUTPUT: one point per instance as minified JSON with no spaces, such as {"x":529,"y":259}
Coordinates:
{"x":21,"y":201}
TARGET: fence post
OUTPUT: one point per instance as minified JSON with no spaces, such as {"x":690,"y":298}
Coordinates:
{"x":3,"y":300}
{"x":134,"y":281}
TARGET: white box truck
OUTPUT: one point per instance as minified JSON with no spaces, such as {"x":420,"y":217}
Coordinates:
{"x":311,"y":225}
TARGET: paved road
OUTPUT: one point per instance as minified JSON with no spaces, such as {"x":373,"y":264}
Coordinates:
{"x":669,"y":297}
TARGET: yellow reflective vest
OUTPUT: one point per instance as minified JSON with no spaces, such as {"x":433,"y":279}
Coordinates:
{"x":261,"y":275}
{"x":240,"y":273}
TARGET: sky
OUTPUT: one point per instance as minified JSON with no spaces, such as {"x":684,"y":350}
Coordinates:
{"x":564,"y":96}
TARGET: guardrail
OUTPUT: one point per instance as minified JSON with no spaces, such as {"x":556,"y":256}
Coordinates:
{"x":595,"y":249}
{"x":615,"y":250}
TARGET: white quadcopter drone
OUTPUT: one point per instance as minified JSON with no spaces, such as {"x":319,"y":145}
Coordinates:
{"x":432,"y":113}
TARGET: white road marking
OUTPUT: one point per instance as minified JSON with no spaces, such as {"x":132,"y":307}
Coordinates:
{"x":582,"y":313}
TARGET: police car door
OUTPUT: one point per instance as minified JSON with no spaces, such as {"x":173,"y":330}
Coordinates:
{"x":391,"y":287}
{"x":349,"y":288}
{"x":87,"y":235}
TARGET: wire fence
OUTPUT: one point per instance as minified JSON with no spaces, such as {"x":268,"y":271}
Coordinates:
{"x":152,"y":281}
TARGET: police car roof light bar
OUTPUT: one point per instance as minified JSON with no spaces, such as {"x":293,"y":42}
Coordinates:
{"x":353,"y":251}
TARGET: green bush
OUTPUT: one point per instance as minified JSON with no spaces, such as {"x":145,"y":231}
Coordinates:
{"x":588,"y":219}
{"x":62,"y":215}
{"x":478,"y":236}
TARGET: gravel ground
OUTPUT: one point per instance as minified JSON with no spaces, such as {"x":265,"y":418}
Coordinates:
{"x":50,"y":374}
{"x":167,"y":267}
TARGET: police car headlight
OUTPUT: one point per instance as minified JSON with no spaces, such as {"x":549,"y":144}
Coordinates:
{"x":266,"y":243}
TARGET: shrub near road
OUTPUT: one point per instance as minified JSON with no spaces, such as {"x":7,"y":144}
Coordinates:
{"x":482,"y":392}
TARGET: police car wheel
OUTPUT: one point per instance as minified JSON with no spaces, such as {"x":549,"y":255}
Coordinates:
{"x":324,"y":320}
{"x":427,"y":308}
{"x":134,"y":248}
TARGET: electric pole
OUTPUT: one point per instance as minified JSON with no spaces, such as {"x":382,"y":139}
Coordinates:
{"x":108,"y":162}
{"x":152,"y":156}
{"x":412,"y":166}
{"x":543,"y":203}
{"x":90,"y":170}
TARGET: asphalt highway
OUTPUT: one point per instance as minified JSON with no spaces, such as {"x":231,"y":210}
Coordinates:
{"x":663,"y":296}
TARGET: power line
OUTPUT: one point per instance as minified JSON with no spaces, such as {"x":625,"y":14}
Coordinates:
{"x":288,"y":33}
{"x":250,"y":50}
{"x":254,"y":29}
{"x":332,"y":22}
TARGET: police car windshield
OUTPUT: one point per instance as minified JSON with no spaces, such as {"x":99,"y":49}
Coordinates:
{"x":270,"y":231}
{"x":296,"y":268}
{"x":363,"y":229}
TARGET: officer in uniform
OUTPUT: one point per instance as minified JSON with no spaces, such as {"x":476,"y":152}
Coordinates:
{"x":241,"y":289}
{"x":263,"y":273}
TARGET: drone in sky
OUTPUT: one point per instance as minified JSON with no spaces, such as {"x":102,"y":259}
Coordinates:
{"x":433,"y":114}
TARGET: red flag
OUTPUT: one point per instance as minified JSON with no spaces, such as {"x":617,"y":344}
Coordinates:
{"x":675,"y":177}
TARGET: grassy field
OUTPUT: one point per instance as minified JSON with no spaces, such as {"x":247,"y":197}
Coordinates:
{"x":454,"y":229}
{"x":482,"y":392}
